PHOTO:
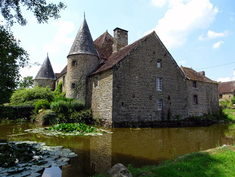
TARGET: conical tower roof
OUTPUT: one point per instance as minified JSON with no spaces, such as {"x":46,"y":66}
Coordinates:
{"x":83,"y":43}
{"x":46,"y":71}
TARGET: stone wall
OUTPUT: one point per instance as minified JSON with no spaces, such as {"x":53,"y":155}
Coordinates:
{"x":45,"y":82}
{"x":207,"y":94}
{"x":226,"y":96}
{"x":100,"y":96}
{"x":135,"y":95}
{"x":63,"y":80}
{"x":84,"y":66}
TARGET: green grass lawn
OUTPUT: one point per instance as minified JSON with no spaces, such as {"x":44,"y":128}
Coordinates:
{"x":215,"y":162}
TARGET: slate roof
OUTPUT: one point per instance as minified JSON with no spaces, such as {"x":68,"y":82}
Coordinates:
{"x":226,"y":87}
{"x":46,"y":71}
{"x":83,"y":43}
{"x":119,"y":55}
{"x":62,"y":72}
{"x":195,"y":76}
{"x":104,"y":45}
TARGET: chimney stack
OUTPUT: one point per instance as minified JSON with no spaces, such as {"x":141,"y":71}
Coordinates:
{"x":202,"y":73}
{"x":120,"y":39}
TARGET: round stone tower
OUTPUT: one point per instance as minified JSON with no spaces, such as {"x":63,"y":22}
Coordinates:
{"x":45,"y":76}
{"x":83,"y":59}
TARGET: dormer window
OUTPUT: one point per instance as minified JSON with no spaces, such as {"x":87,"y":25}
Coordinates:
{"x":194,"y":84}
{"x":74,"y":63}
{"x":159,"y":63}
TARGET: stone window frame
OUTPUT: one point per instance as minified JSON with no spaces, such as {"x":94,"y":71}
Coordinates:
{"x":159,"y":63}
{"x":159,"y":83}
{"x":195,"y":100}
{"x":73,"y":85}
{"x":74,"y":63}
{"x":160,"y":104}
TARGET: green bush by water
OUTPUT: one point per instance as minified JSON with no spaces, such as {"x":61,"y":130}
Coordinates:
{"x":22,"y":95}
{"x":41,"y":104}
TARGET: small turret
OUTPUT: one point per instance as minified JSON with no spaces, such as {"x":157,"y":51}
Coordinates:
{"x":83,"y":59}
{"x":45,"y":76}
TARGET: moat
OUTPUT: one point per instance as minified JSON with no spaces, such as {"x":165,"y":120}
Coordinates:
{"x":139,"y":147}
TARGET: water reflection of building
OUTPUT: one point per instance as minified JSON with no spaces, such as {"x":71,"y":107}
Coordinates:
{"x":143,"y":147}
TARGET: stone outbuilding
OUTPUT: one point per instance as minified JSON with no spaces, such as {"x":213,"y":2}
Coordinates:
{"x":226,"y":90}
{"x":139,"y":82}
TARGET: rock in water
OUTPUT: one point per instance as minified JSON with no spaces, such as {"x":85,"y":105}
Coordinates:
{"x":119,"y":170}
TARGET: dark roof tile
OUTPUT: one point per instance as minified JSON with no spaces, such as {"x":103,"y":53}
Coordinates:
{"x":226,"y":87}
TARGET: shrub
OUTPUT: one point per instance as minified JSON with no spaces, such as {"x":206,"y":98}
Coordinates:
{"x":47,"y":117}
{"x":66,"y":107}
{"x":58,"y":91}
{"x":22,"y":95}
{"x":41,"y":104}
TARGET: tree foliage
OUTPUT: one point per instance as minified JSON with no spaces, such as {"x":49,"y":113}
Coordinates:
{"x":12,"y":13}
{"x":12,"y":56}
{"x":27,"y":82}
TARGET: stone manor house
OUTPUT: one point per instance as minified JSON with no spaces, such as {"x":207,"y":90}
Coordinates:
{"x":139,"y":82}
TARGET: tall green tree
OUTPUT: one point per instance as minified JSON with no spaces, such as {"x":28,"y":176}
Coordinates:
{"x":12,"y":56}
{"x":27,"y":82}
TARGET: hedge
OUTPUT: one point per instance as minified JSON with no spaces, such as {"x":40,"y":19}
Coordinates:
{"x":15,"y":112}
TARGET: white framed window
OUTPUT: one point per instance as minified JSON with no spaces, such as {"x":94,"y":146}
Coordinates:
{"x":159,"y":104}
{"x":159,"y":84}
{"x":159,"y":63}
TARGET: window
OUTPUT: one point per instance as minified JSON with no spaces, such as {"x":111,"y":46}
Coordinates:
{"x":96,"y":82}
{"x":73,"y":85}
{"x":159,"y":104}
{"x":63,"y":80}
{"x":159,"y":63}
{"x":195,"y":100}
{"x":159,"y":84}
{"x":194,"y":84}
{"x":74,"y":63}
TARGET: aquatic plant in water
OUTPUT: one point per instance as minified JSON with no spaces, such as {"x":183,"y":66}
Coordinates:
{"x":69,"y":129}
{"x":27,"y":158}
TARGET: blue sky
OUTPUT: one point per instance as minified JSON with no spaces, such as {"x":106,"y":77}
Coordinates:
{"x":198,"y":33}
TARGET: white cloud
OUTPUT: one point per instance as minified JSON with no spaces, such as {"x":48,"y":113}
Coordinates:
{"x":51,"y":48}
{"x":212,"y":34}
{"x":226,"y":79}
{"x":183,"y":18}
{"x":32,"y":49}
{"x":64,"y":29}
{"x":57,"y":68}
{"x":159,"y":3}
{"x":217,"y":44}
{"x":29,"y":71}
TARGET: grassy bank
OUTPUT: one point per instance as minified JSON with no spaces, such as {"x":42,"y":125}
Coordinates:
{"x":230,"y":113}
{"x":214,"y":162}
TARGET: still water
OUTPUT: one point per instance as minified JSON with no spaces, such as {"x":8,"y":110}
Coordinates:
{"x":128,"y":146}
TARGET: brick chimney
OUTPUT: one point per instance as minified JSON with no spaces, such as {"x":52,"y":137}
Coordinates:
{"x":120,"y":39}
{"x":202,"y":73}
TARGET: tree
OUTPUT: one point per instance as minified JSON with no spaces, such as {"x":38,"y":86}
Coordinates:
{"x":12,"y":56}
{"x":27,"y":82}
{"x":41,"y":10}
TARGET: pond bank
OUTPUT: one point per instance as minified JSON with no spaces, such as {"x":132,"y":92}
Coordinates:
{"x":213,"y":162}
